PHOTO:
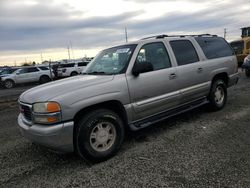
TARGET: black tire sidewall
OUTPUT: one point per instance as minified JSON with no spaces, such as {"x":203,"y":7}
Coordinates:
{"x":12,"y":82}
{"x":86,"y":125}
{"x":211,"y":97}
{"x":73,"y":74}
{"x":44,"y":79}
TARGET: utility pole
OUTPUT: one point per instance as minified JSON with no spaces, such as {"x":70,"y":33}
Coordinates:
{"x":68,"y":52}
{"x":41,"y":57}
{"x":126,"y":35}
{"x":225,"y":33}
{"x":72,"y":50}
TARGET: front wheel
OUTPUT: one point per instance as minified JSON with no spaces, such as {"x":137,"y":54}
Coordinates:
{"x":99,"y":135}
{"x":218,"y":95}
{"x":9,"y":84}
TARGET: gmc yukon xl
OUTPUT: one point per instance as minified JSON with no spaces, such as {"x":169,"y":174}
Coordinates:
{"x":130,"y":86}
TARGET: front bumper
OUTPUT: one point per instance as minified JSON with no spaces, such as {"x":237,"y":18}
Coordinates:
{"x":58,"y":137}
{"x":233,"y":79}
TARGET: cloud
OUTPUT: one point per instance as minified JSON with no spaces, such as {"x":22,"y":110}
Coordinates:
{"x":36,"y":25}
{"x":39,"y":26}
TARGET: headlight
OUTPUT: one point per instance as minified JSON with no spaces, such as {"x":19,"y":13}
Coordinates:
{"x":46,"y":113}
{"x":47,"y":107}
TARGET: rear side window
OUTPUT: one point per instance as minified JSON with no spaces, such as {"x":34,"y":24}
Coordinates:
{"x":33,"y":69}
{"x":184,"y":52}
{"x":67,"y":65}
{"x":44,"y":68}
{"x":214,"y":47}
{"x":81,"y":64}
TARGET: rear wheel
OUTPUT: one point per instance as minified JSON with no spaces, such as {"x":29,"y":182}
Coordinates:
{"x":73,"y":74}
{"x":218,"y":95}
{"x":44,"y":79}
{"x":9,"y":84}
{"x":99,"y":135}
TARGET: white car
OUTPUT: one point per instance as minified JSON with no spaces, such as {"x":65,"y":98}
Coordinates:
{"x":71,"y":69}
{"x":27,"y":75}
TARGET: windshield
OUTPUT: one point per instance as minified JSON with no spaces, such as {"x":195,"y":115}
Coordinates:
{"x":237,"y":46}
{"x":7,"y":71}
{"x":111,"y":61}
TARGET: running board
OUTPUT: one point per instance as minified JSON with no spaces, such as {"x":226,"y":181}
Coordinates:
{"x":164,"y":115}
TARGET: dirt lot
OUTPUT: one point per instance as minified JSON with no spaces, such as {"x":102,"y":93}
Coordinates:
{"x":195,"y":149}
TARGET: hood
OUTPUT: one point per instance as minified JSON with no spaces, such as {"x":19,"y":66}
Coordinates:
{"x":51,"y":90}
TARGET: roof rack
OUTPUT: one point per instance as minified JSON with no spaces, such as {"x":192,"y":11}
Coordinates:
{"x":181,"y":36}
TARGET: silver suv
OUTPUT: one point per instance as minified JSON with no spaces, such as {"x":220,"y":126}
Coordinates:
{"x":22,"y":75}
{"x":130,"y":86}
{"x":71,"y":69}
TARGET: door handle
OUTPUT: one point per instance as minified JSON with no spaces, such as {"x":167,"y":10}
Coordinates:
{"x":199,"y":70}
{"x":172,"y":76}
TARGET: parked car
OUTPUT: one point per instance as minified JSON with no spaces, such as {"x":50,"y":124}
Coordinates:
{"x":71,"y":69}
{"x":246,"y":66}
{"x":27,"y":75}
{"x":130,"y":86}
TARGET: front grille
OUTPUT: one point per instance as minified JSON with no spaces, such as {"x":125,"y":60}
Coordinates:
{"x":26,"y":111}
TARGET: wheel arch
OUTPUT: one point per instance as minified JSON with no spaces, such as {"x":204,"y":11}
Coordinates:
{"x":73,"y":72}
{"x":223,"y":76}
{"x":113,"y":105}
{"x":44,"y":75}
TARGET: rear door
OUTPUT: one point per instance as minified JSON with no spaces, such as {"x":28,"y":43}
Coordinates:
{"x":155,"y":91}
{"x":81,"y":66}
{"x":191,"y":72}
{"x":33,"y":74}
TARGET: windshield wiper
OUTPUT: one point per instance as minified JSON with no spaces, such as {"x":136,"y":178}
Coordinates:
{"x":96,"y":72}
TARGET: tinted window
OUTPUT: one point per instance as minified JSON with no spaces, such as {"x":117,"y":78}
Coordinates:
{"x":67,"y":65}
{"x":154,"y":53}
{"x":214,"y":47}
{"x":82,"y":64}
{"x":32,"y":69}
{"x":23,"y":71}
{"x":184,"y":52}
{"x":44,"y":68}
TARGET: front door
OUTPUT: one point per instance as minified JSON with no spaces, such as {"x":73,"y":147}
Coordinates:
{"x":154,"y":91}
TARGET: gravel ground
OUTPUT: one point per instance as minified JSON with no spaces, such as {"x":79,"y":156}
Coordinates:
{"x":195,"y":149}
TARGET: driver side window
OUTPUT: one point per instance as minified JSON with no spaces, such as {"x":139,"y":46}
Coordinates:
{"x":155,"y":54}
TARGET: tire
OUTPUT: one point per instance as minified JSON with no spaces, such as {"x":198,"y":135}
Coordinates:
{"x":9,"y":84}
{"x":247,"y":72}
{"x":218,"y":95}
{"x":99,"y":135}
{"x":73,"y":74}
{"x":44,"y":79}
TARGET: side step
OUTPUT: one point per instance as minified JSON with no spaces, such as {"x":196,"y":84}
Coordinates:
{"x":164,"y":115}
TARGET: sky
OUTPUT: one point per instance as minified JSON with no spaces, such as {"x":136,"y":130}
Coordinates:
{"x":38,"y":30}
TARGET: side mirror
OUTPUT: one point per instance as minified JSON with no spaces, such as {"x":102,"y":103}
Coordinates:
{"x":142,"y":67}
